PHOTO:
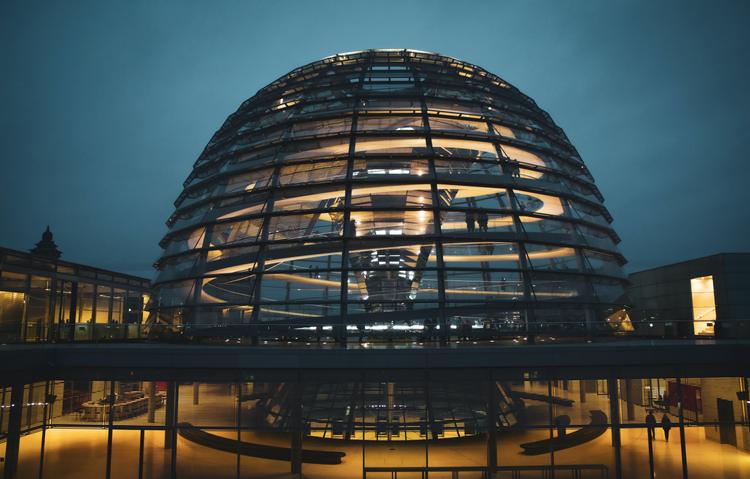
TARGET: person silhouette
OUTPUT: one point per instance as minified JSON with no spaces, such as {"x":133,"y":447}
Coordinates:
{"x":470,"y":221}
{"x":483,"y":220}
{"x":666,"y":424}
{"x":651,"y":424}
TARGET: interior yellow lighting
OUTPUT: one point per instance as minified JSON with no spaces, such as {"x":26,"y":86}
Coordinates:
{"x":484,"y":146}
{"x":551,"y":205}
{"x":704,"y":305}
{"x":523,"y":156}
{"x":387,"y":144}
{"x":291,"y":278}
{"x":554,"y":253}
{"x":374,"y":190}
{"x":294,"y":278}
{"x":504,"y":131}
{"x":244,"y":211}
{"x":290,"y":313}
{"x":468,"y":191}
{"x":234,"y":269}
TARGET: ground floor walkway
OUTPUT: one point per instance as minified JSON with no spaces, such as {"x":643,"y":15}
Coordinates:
{"x":81,"y":453}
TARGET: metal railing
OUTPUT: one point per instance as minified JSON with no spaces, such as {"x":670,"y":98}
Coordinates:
{"x":558,"y":471}
{"x":306,"y":333}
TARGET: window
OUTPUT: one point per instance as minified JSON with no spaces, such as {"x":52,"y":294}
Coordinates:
{"x":399,"y":123}
{"x":704,"y":305}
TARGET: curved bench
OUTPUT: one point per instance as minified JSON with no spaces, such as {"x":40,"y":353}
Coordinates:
{"x":594,"y":429}
{"x":263,"y":451}
{"x":541,"y":397}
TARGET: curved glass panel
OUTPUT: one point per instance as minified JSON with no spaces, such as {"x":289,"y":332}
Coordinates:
{"x":389,"y":194}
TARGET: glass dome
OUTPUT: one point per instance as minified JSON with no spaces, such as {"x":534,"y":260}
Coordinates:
{"x":389,"y":194}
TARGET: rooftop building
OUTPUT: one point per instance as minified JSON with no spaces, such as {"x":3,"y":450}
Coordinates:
{"x":389,"y":194}
{"x":386,"y":263}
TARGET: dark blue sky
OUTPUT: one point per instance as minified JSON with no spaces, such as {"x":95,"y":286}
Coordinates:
{"x":106,"y":105}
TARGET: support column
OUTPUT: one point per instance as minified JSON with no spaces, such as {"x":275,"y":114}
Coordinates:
{"x":73,"y":312}
{"x":110,"y":420}
{"x":196,"y":388}
{"x":491,"y":427}
{"x":14,"y":432}
{"x":582,"y":391}
{"x":629,"y":399}
{"x":681,"y":417}
{"x":171,"y":416}
{"x":296,"y":428}
{"x":29,"y":410}
{"x":550,"y":411}
{"x":170,"y":434}
{"x":45,"y":415}
{"x":614,"y":416}
{"x":151,"y":402}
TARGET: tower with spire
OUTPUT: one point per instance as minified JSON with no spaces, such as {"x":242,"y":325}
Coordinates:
{"x":46,"y":247}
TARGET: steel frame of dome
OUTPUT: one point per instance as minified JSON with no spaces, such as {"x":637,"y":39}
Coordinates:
{"x":389,"y":193}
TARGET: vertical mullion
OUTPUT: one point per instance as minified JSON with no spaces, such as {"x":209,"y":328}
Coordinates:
{"x":260,"y":258}
{"x":44,"y":429}
{"x":340,"y":328}
{"x":614,"y":413}
{"x":364,"y":421}
{"x":430,"y":418}
{"x":238,"y":418}
{"x":551,"y":428}
{"x":200,"y":269}
{"x":51,"y":307}
{"x":681,"y":418}
{"x":584,"y":266}
{"x":175,"y":386}
{"x":13,"y":438}
{"x":110,"y":420}
{"x":491,"y":425}
{"x":437,"y":227}
{"x":529,"y":296}
{"x":25,"y":317}
{"x":140,"y":453}
{"x":111,"y":304}
{"x":92,"y":323}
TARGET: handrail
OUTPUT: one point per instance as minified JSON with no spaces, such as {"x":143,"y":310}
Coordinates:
{"x":575,"y":470}
{"x":304,"y":330}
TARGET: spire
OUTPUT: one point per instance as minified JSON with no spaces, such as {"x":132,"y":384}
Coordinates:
{"x":46,"y":247}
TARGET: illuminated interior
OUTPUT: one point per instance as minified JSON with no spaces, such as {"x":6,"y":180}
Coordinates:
{"x":704,"y":305}
{"x":390,"y":184}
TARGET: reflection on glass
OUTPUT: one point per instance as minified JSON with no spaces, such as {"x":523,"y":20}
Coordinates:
{"x":317,"y":172}
{"x":321,"y":127}
{"x":385,"y":168}
{"x":399,"y":123}
{"x":319,"y":226}
{"x":473,"y":285}
{"x":392,"y":223}
{"x":466,"y":222}
{"x":393,"y":145}
{"x":483,"y":150}
{"x":458,"y":124}
{"x":459,"y":168}
{"x":392,"y":196}
{"x":483,"y":254}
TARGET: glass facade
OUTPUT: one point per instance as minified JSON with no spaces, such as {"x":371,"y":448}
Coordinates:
{"x":425,"y":209}
{"x":266,"y":424}
{"x":390,"y":194}
{"x":43,"y":300}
